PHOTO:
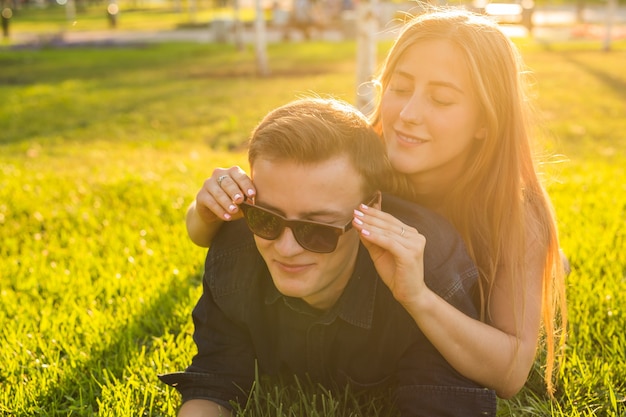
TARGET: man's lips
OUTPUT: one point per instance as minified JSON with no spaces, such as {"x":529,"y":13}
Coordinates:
{"x":292,"y":267}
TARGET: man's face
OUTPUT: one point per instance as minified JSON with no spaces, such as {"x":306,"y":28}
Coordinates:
{"x":325,"y":192}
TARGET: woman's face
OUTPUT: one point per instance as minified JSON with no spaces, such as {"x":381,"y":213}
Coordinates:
{"x":430,"y":115}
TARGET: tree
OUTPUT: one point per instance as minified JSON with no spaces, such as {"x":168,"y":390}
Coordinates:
{"x":365,"y":55}
{"x":611,"y":9}
{"x":260,"y":41}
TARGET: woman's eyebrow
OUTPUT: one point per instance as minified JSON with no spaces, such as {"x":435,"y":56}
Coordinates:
{"x":436,"y":83}
{"x":453,"y":86}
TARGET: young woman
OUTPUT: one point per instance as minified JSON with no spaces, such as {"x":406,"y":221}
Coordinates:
{"x":454,"y":116}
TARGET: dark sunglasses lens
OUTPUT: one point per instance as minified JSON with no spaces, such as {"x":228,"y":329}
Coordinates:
{"x":316,"y":238}
{"x":262,"y":223}
{"x":313,"y":237}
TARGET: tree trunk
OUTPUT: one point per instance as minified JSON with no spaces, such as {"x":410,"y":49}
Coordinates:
{"x":238,"y":26}
{"x":611,"y":9}
{"x":261,"y":41}
{"x":367,"y":26}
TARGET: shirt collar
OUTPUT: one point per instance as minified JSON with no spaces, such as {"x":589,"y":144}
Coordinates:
{"x":356,"y":304}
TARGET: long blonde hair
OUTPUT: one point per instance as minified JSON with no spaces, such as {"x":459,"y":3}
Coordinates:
{"x":499,"y":195}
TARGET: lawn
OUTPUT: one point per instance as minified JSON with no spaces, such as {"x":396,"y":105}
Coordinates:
{"x":101,"y":151}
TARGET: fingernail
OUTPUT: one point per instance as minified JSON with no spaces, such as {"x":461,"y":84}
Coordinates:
{"x":358,"y":213}
{"x":250,"y":192}
{"x":358,"y":221}
{"x":237,"y":197}
{"x":226,"y":216}
{"x":365,"y":232}
{"x":364,"y":207}
{"x":232,"y":207}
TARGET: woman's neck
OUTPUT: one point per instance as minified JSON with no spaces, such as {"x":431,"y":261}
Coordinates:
{"x":430,"y":194}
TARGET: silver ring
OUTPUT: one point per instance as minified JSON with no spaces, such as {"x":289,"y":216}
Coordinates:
{"x":402,"y":232}
{"x":220,"y":179}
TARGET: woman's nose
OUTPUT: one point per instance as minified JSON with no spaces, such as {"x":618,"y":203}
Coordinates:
{"x":412,"y":111}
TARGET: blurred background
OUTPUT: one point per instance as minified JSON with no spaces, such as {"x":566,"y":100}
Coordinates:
{"x":32,"y":22}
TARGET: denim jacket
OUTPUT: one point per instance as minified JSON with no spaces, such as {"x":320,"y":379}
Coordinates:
{"x":367,"y":340}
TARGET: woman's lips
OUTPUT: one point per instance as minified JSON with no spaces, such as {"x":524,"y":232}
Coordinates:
{"x":409,"y":139}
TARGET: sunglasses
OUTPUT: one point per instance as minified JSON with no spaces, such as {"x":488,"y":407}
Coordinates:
{"x":313,"y":236}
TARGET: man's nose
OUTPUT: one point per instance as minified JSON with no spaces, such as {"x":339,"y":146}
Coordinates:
{"x":286,"y":244}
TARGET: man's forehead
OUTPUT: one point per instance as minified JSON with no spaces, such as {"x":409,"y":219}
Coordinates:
{"x":321,"y":188}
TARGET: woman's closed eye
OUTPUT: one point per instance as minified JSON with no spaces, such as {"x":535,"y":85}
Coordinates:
{"x":443,"y":96}
{"x":442,"y":101}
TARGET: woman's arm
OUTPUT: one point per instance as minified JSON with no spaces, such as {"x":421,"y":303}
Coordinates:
{"x":200,"y":231}
{"x":498,"y":355}
{"x":217,"y":202}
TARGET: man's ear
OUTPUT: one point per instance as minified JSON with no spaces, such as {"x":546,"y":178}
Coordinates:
{"x":378,"y":200}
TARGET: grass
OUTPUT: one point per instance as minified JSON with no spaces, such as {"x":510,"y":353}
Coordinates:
{"x":101,"y":150}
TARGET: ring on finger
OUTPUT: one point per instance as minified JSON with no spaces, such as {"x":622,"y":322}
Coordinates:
{"x":220,"y":179}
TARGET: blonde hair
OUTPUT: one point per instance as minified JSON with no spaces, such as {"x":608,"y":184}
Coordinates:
{"x":499,"y":198}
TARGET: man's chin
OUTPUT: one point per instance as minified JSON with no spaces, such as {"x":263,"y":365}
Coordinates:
{"x":289,"y":285}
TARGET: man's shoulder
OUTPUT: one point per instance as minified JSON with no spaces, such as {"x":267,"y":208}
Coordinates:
{"x":232,"y":237}
{"x":448,"y":269}
{"x":426,"y":221}
{"x":232,"y":260}
{"x":443,"y":242}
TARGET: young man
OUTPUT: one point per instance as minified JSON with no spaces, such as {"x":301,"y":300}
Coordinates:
{"x":302,"y":295}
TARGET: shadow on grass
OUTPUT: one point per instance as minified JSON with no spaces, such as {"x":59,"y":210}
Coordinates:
{"x":68,"y":397}
{"x":52,"y":65}
{"x":194,"y":60}
{"x":617,"y":85}
{"x":80,"y":94}
{"x":613,"y":82}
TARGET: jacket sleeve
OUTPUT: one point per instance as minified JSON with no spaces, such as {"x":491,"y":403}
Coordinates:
{"x":223,"y":368}
{"x":428,"y":386}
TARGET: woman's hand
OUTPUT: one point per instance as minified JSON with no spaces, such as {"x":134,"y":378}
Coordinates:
{"x":216,"y":202}
{"x":222,"y":192}
{"x":397,"y":251}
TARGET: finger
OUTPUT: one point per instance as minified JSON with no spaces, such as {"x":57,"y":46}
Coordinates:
{"x":212,"y":199}
{"x":376,"y":213}
{"x":223,"y":187}
{"x":209,"y":208}
{"x":242,"y":181}
{"x":370,"y":219}
{"x":388,"y":232}
{"x":234,"y":183}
